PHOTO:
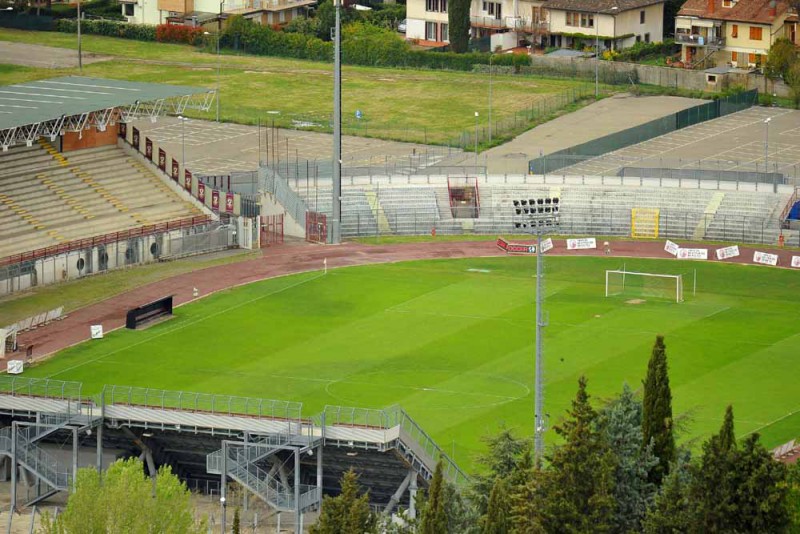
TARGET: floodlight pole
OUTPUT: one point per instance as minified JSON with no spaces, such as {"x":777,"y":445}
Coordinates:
{"x":597,"y":56}
{"x":491,"y":57}
{"x":219,"y":61}
{"x":336,"y":235}
{"x":80,"y":58}
{"x":538,"y":406}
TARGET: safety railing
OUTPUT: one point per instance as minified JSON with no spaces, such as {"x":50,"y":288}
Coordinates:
{"x":36,"y":459}
{"x":202,"y":402}
{"x":40,"y":387}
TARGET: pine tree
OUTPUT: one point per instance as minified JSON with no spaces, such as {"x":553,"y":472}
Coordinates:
{"x":434,"y":516}
{"x":459,"y":25}
{"x":497,"y":518}
{"x":504,"y":451}
{"x":621,"y":423}
{"x":579,"y":484}
{"x":657,"y":412}
{"x":348,"y":513}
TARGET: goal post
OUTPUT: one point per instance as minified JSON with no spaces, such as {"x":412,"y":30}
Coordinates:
{"x":622,"y":282}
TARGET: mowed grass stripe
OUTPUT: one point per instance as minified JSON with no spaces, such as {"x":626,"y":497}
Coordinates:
{"x":456,"y":348}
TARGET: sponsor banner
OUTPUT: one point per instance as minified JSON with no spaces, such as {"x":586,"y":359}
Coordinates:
{"x":547,"y":244}
{"x":123,"y":130}
{"x":162,"y":160}
{"x":502,"y":243}
{"x":672,"y":248}
{"x":176,"y":170}
{"x":581,"y":244}
{"x":215,"y":200}
{"x":229,"y":202}
{"x":135,"y":138}
{"x":727,"y":252}
{"x":201,"y":192}
{"x":796,"y":261}
{"x":692,"y":254}
{"x":765,"y":258}
{"x":148,"y":148}
{"x":514,"y":248}
{"x":187,"y":179}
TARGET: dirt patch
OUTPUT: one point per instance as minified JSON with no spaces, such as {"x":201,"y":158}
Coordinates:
{"x":635,"y":301}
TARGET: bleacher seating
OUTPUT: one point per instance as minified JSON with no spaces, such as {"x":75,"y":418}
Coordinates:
{"x":47,"y":197}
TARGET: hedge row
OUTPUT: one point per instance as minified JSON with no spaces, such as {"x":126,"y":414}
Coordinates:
{"x":109,"y":28}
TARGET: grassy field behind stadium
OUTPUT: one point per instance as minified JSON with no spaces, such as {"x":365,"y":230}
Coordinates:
{"x":452,"y":342}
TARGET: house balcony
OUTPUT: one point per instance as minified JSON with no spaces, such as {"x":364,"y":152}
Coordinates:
{"x":695,"y":39}
{"x":510,"y":23}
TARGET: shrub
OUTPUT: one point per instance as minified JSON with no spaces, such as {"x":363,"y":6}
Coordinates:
{"x":178,"y":33}
{"x":139,"y":32}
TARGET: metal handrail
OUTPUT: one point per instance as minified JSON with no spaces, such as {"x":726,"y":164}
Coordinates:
{"x":202,"y":402}
{"x":41,"y":387}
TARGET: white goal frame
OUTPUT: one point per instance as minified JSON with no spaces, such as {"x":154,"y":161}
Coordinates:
{"x":677,"y":277}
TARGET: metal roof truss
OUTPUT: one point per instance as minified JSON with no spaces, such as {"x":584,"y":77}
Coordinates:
{"x":102,"y":118}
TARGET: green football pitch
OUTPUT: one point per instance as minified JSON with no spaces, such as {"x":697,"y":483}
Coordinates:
{"x":452,"y":342}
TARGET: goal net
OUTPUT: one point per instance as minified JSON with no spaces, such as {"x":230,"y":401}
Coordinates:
{"x":635,"y":284}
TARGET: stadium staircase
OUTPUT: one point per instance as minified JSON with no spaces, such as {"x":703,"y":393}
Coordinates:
{"x":49,"y":198}
{"x":240,"y":462}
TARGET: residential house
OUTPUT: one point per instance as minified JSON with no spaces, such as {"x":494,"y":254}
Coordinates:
{"x":210,"y":13}
{"x":505,"y":23}
{"x":616,"y":23}
{"x":738,"y":33}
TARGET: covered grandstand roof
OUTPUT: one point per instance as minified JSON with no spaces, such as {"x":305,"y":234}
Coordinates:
{"x":48,"y":107}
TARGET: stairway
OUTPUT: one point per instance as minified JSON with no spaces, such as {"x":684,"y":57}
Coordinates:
{"x":35,"y":459}
{"x":241,"y":465}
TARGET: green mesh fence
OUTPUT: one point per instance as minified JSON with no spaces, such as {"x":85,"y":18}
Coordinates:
{"x":655,"y":128}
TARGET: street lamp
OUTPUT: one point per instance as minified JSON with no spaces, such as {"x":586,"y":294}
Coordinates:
{"x":491,"y":57}
{"x":183,"y":141}
{"x":222,"y":502}
{"x":219,"y":60}
{"x":538,"y":215}
{"x":476,"y":138}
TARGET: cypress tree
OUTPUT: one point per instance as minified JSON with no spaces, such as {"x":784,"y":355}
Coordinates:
{"x":761,"y":492}
{"x":458,"y":25}
{"x":657,"y":412}
{"x":727,"y":439}
{"x":496,"y":520}
{"x":236,"y":529}
{"x":671,"y":512}
{"x":434,"y":517}
{"x":577,"y":493}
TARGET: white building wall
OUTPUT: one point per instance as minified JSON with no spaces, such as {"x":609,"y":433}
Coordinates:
{"x":415,"y":28}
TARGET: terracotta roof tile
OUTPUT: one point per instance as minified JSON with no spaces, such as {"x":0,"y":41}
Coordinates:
{"x":599,"y":6}
{"x":743,"y":11}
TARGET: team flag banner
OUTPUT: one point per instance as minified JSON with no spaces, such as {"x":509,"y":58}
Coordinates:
{"x":176,"y":170}
{"x":162,"y":160}
{"x":135,"y":138}
{"x":547,"y":244}
{"x":215,"y":200}
{"x":187,"y":179}
{"x":148,"y":148}
{"x":796,"y":261}
{"x":692,"y":254}
{"x":672,"y":248}
{"x":201,"y":192}
{"x":515,"y":248}
{"x":727,"y":252}
{"x":229,"y":202}
{"x":581,"y":244}
{"x":765,"y":258}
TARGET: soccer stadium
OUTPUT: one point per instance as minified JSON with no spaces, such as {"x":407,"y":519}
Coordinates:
{"x":174,"y":290}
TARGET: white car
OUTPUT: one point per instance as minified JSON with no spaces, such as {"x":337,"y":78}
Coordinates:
{"x":402,"y":26}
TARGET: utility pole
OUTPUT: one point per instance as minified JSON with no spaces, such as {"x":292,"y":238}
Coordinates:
{"x":80,"y":56}
{"x":336,"y":235}
{"x":219,"y":61}
{"x":491,"y":57}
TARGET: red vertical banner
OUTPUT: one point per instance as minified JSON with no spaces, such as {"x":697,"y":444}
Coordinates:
{"x":176,"y":170}
{"x":148,"y":148}
{"x":123,"y":130}
{"x":229,"y":202}
{"x":136,"y":138}
{"x":215,"y":200}
{"x":201,"y":192}
{"x":187,"y":179}
{"x":162,"y":160}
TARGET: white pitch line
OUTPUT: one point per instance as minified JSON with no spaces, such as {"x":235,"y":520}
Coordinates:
{"x":181,"y":327}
